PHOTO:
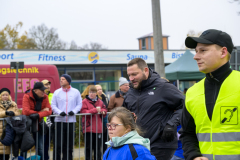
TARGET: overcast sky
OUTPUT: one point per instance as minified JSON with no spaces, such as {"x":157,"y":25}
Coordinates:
{"x":118,"y":23}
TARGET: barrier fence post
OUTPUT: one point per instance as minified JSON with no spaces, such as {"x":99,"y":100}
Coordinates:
{"x":91,"y":139}
{"x":61,"y":139}
{"x":79,"y":137}
{"x":68,"y":139}
{"x":85,"y":137}
{"x":43,"y":146}
{"x":55,"y":144}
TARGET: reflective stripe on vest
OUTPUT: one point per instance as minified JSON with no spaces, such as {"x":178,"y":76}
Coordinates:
{"x":222,"y":157}
{"x":227,"y":157}
{"x":219,"y":138}
{"x":204,"y":137}
{"x":209,"y":156}
{"x":225,"y":137}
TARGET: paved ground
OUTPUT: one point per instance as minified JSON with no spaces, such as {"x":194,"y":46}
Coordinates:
{"x":76,"y":152}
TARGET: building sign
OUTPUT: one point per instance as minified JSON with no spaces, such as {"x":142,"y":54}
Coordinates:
{"x":85,"y":57}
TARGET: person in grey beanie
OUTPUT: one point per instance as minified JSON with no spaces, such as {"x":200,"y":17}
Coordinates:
{"x":116,"y":100}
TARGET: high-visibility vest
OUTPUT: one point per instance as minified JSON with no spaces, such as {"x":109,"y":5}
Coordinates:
{"x":50,"y":96}
{"x":219,"y":139}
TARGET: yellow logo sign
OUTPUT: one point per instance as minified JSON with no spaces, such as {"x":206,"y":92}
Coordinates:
{"x":93,"y":57}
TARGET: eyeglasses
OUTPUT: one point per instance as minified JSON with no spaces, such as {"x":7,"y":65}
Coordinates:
{"x":113,"y":126}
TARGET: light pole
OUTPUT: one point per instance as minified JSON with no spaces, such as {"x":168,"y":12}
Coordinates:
{"x":16,"y":65}
{"x":157,"y":37}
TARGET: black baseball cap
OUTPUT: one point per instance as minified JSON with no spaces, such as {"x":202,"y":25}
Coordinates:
{"x":39,"y":85}
{"x":211,"y":36}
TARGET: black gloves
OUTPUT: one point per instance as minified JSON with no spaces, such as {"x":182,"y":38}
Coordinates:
{"x":62,"y":114}
{"x":34,"y":116}
{"x":10,"y":113}
{"x":168,"y":133}
{"x":71,"y":113}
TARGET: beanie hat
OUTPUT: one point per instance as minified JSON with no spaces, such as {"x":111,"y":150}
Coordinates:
{"x":122,"y":80}
{"x":67,"y":77}
{"x":5,"y":89}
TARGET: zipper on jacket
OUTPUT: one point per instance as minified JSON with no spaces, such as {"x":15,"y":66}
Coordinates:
{"x":215,"y":92}
{"x":213,"y":77}
{"x":138,"y":101}
{"x":215,"y":89}
{"x":66,"y":106}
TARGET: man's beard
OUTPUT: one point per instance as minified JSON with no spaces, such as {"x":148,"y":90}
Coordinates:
{"x":140,"y":82}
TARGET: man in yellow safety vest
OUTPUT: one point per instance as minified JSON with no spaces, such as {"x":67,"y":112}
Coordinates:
{"x":49,"y":121}
{"x":211,"y":119}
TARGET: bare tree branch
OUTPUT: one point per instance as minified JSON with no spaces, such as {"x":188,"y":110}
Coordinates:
{"x":93,"y":46}
{"x":46,"y":38}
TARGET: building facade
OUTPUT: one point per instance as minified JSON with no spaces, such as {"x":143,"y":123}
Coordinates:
{"x":146,"y":42}
{"x":88,"y":67}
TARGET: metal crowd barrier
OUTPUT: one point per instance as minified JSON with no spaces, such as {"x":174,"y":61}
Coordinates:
{"x":75,"y":148}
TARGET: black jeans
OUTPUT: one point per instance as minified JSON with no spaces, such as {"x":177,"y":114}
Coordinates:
{"x":6,"y":157}
{"x":46,"y":141}
{"x":95,"y":143}
{"x":163,"y":153}
{"x":66,"y":138}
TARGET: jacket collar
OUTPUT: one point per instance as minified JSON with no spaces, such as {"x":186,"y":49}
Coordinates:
{"x":90,"y":100}
{"x":29,"y":92}
{"x":117,"y":94}
{"x":131,"y":138}
{"x":150,"y":80}
{"x":219,"y":75}
{"x":66,"y":89}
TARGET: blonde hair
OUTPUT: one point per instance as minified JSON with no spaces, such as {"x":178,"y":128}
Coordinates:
{"x":228,"y":55}
{"x":98,"y":85}
{"x":86,"y":92}
{"x":9,"y":96}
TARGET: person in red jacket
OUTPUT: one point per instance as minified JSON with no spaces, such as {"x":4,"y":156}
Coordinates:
{"x":36,"y":106}
{"x":91,"y":104}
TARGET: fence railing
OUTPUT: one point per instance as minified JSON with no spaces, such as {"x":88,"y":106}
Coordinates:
{"x":68,"y":137}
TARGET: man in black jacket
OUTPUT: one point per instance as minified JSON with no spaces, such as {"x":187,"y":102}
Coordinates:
{"x":157,"y":105}
{"x":213,"y":49}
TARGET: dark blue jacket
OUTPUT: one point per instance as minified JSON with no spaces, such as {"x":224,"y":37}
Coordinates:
{"x":124,"y":153}
{"x":8,"y":136}
{"x":156,"y":104}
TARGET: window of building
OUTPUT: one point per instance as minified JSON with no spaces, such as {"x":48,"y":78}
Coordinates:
{"x":125,"y":74}
{"x":107,"y":75}
{"x":61,"y":72}
{"x":143,"y":43}
{"x":149,"y":43}
{"x":81,"y":86}
{"x":81,"y":75}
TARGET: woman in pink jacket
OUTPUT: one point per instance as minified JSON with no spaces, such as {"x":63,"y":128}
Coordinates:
{"x":91,"y":104}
